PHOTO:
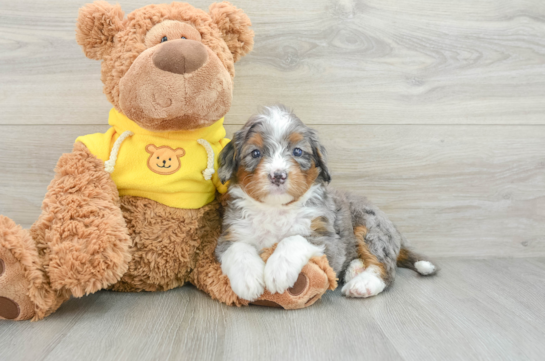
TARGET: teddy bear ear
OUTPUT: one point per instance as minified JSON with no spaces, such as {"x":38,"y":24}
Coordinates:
{"x":234,"y":25}
{"x":97,"y":25}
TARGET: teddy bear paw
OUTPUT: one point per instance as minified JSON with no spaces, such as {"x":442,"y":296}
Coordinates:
{"x":315,"y":279}
{"x":15,"y":304}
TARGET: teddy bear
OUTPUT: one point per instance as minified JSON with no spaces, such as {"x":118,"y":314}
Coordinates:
{"x":136,"y":208}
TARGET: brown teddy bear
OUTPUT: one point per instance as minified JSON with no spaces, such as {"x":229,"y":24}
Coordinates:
{"x":134,"y":209}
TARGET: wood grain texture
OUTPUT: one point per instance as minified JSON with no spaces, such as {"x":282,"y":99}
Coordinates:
{"x":473,"y":310}
{"x":335,"y":61}
{"x":398,"y":89}
{"x":471,"y":191}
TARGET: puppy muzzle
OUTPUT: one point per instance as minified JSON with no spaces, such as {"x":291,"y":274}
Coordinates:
{"x":278,"y":178}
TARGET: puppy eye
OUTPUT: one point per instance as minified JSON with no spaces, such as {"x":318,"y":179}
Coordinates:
{"x":163,"y":39}
{"x":297,"y":152}
{"x":256,"y":153}
{"x":183,"y":37}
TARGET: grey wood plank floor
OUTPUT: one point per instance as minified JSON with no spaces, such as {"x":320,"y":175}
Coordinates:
{"x":473,"y":310}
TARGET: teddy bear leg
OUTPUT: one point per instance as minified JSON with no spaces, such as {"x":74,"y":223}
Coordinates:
{"x":24,"y":291}
{"x":80,"y":239}
{"x":15,"y":302}
{"x":81,"y":234}
{"x":315,"y":279}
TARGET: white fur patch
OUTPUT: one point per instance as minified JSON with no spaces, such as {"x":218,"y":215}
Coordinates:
{"x":354,"y":268}
{"x":424,"y":267}
{"x":262,"y":225}
{"x":277,"y":199}
{"x":279,"y":119}
{"x":277,"y":162}
{"x":366,"y":284}
{"x":287,"y":261}
{"x":242,"y":264}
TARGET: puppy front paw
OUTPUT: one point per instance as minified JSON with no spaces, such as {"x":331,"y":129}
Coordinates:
{"x":280,"y":274}
{"x":244,"y":268}
{"x":248,"y":286}
{"x":287,"y":261}
{"x":246,"y":277}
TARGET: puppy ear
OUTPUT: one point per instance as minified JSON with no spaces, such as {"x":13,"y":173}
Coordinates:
{"x":97,"y":25}
{"x":228,"y":160}
{"x":320,"y":158}
{"x":234,"y":25}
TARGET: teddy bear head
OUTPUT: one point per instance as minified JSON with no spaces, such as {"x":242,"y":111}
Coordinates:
{"x":167,"y":67}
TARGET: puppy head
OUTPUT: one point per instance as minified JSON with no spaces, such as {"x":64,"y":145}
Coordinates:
{"x":274,"y":158}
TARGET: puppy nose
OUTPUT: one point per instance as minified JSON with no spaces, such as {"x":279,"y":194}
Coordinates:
{"x":180,"y":56}
{"x":278,"y":178}
{"x":164,"y":161}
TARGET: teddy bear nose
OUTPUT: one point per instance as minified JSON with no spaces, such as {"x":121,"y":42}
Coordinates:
{"x":180,"y":56}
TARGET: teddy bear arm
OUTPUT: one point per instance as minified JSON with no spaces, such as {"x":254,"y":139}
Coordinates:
{"x":210,"y":279}
{"x":207,"y":274}
{"x":81,"y":233}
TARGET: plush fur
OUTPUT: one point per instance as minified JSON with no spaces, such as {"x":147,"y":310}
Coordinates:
{"x":87,"y":238}
{"x":81,"y":226}
{"x":279,"y":194}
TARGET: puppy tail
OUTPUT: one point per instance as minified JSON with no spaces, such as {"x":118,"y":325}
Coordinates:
{"x":418,"y":263}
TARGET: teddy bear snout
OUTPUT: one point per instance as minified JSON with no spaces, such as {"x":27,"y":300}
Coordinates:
{"x":181,"y":56}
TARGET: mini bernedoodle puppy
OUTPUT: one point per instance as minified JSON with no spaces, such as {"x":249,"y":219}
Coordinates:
{"x":279,"y":193}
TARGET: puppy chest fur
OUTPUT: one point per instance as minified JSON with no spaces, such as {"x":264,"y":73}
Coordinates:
{"x":262,"y":225}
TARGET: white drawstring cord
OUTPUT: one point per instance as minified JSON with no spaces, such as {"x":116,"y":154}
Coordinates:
{"x":207,"y":173}
{"x":110,"y":163}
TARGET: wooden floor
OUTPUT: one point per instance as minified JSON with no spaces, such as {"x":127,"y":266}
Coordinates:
{"x":435,"y":109}
{"x":473,"y":310}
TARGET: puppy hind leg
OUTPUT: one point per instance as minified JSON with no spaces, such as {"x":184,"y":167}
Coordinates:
{"x":354,"y":268}
{"x":365,"y":276}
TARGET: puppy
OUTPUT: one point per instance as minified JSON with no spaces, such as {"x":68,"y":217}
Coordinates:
{"x":279,"y":193}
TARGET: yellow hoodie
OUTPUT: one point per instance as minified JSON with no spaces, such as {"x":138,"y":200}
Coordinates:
{"x":178,"y":169}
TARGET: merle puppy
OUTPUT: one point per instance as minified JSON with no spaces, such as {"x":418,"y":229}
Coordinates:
{"x":279,"y":193}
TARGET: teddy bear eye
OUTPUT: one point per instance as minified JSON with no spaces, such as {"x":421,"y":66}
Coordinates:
{"x":169,"y":159}
{"x":183,"y":37}
{"x":157,"y":157}
{"x":164,"y":39}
